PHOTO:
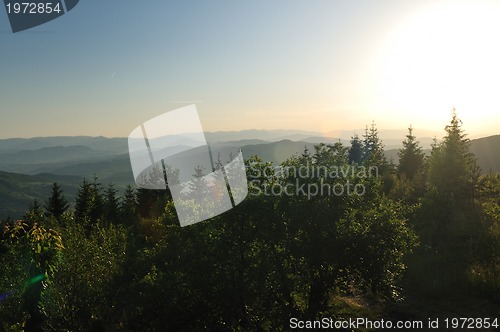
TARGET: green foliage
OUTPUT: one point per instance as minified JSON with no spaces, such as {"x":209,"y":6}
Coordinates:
{"x":128,"y":207}
{"x":89,"y":203}
{"x":484,"y":272}
{"x":377,"y":238}
{"x":15,"y":258}
{"x":356,"y":150}
{"x":451,"y":166}
{"x":111,"y":205}
{"x":124,"y":263}
{"x":373,"y":147}
{"x":455,"y":223}
{"x":82,"y":289}
{"x":327,"y":236}
{"x":410,"y":184}
{"x":39,"y":249}
{"x":149,"y":202}
{"x":411,"y":156}
{"x":56,"y":205}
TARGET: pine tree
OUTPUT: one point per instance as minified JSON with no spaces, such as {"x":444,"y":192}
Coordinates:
{"x":411,"y":156}
{"x":57,"y":204}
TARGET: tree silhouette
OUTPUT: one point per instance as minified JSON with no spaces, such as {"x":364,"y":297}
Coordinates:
{"x":451,"y":164}
{"x":57,"y":204}
{"x":111,"y":205}
{"x":411,"y":156}
{"x":89,"y":202}
{"x":128,"y":206}
{"x":356,"y":150}
{"x":373,"y":147}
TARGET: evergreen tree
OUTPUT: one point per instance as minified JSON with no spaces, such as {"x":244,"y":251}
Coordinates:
{"x":374,"y":157}
{"x":356,"y":150}
{"x":35,"y":206}
{"x":198,"y":186}
{"x":89,"y":202}
{"x":57,"y":204}
{"x":111,"y":208}
{"x":34,"y":214}
{"x":305,"y":153}
{"x":411,"y":156}
{"x":452,"y":166}
{"x":128,"y":206}
{"x":373,"y":147}
{"x":151,"y":202}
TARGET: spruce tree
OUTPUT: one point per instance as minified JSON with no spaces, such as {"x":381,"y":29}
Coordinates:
{"x":198,"y":186}
{"x":373,"y":147}
{"x":34,"y":214}
{"x":57,"y":204}
{"x":356,"y":150}
{"x":111,"y":208}
{"x":452,"y":166}
{"x":128,"y":206}
{"x":89,"y":202}
{"x":411,"y":156}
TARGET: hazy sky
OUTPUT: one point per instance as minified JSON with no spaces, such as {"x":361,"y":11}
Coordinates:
{"x":107,"y":66}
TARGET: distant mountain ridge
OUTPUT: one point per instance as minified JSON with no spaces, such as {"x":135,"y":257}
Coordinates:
{"x":108,"y":157}
{"x":99,"y":143}
{"x":52,"y":154}
{"x":119,"y":144}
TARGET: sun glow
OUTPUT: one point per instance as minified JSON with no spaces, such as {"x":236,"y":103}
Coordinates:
{"x":446,"y":55}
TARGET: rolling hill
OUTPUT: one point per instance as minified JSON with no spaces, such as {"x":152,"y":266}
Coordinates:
{"x":487,"y":151}
{"x":18,"y":191}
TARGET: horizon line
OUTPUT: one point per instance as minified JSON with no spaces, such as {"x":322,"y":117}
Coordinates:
{"x":297,"y":131}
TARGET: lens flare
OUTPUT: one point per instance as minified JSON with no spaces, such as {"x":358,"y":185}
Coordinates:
{"x":27,"y":283}
{"x":34,"y":280}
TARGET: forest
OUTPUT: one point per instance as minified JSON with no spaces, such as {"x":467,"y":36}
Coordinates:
{"x":422,"y":240}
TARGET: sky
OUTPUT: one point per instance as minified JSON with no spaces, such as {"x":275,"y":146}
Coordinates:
{"x":107,"y":66}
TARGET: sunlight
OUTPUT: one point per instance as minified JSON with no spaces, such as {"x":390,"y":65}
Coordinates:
{"x":447,"y":55}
